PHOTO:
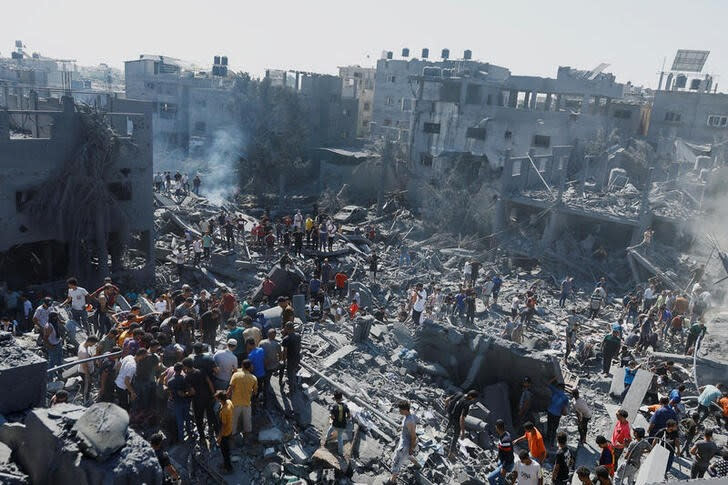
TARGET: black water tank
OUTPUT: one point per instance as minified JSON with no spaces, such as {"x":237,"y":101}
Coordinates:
{"x":425,"y":53}
{"x":216,"y":60}
{"x":405,"y":52}
{"x":389,"y":54}
{"x":468,"y":54}
{"x":223,"y":59}
{"x":445,"y":53}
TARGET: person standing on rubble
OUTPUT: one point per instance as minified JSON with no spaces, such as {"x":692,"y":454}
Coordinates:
{"x":610,"y":348}
{"x":78,"y":298}
{"x":467,"y":273}
{"x":536,"y":446}
{"x":497,"y":282}
{"x":703,"y":451}
{"x":229,"y":235}
{"x":206,"y":245}
{"x":291,"y":345}
{"x":559,"y":406}
{"x":407,"y":441}
{"x":323,"y":236}
{"x":418,"y":301}
{"x":572,"y":327}
{"x":505,"y":455}
{"x":567,"y":288}
{"x":373,"y":266}
{"x":243,"y":386}
{"x":596,"y":301}
{"x":621,"y":434}
{"x":470,"y":306}
{"x":297,"y":241}
{"x":339,"y":416}
{"x":457,"y":407}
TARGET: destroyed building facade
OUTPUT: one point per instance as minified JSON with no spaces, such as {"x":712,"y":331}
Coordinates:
{"x":36,"y":253}
{"x":358,"y":83}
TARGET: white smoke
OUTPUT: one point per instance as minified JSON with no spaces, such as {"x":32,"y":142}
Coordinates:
{"x":221,"y":159}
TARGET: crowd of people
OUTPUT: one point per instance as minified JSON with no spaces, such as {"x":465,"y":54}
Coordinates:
{"x":198,"y":365}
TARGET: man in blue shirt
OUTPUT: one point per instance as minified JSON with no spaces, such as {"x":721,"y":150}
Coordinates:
{"x":497,"y":282}
{"x":256,"y":356}
{"x":558,"y":407}
{"x":676,"y":395}
{"x":659,"y":420}
{"x":629,"y":373}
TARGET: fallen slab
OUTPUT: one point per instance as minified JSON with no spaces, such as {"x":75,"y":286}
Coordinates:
{"x":653,"y":467}
{"x":636,"y":393}
{"x":22,"y":375}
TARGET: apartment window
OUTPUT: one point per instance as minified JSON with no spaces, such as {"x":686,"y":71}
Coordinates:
{"x":473,"y":94}
{"x":387,"y":122}
{"x":542,"y":165}
{"x":717,"y":121}
{"x":624,"y":114}
{"x":389,"y":101}
{"x":200,"y":126}
{"x":406,"y":104}
{"x":508,"y":135}
{"x":168,"y":111}
{"x":426,"y":159}
{"x":431,"y":128}
{"x":541,"y":141}
{"x":366,"y":106}
{"x":149,"y":85}
{"x":404,"y":135}
{"x":475,"y":133}
{"x":516,"y":168}
{"x":392,"y":79}
{"x":672,"y":116}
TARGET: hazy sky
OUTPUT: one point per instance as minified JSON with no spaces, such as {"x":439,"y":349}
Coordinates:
{"x":528,"y":36}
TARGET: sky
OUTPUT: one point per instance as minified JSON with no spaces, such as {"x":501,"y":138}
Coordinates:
{"x":530,"y":37}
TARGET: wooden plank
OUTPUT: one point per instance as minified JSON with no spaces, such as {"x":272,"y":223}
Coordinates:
{"x":336,"y":356}
{"x":638,"y":389}
{"x":653,"y":467}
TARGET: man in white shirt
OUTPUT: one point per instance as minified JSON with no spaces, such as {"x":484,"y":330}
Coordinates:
{"x":226,"y":363}
{"x":77,"y":297}
{"x":86,"y":369}
{"x":127,"y":371}
{"x":160,"y":306}
{"x":298,"y":220}
{"x":419,"y":297}
{"x":528,"y":471}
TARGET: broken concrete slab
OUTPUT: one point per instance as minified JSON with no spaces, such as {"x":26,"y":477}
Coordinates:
{"x":617,"y":386}
{"x":337,"y":355}
{"x":102,"y":430}
{"x":23,"y":372}
{"x":270,"y":435}
{"x":636,"y":393}
{"x":653,"y":466}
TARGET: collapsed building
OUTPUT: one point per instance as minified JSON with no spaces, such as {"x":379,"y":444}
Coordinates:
{"x":35,"y":251}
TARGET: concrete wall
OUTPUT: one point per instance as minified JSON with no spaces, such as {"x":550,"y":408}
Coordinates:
{"x":358,"y":82}
{"x":693,"y":109}
{"x":28,"y":162}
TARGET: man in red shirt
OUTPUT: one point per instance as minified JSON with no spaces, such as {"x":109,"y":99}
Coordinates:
{"x":340,"y":280}
{"x":621,"y":436}
{"x":353,"y":308}
{"x":227,"y":306}
{"x":268,"y":287}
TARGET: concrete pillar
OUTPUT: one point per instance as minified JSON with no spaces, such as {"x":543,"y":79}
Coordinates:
{"x":526,"y":99}
{"x":558,"y":103}
{"x":4,"y":127}
{"x":513,"y":98}
{"x":547,"y":106}
{"x":534,"y":96}
{"x":585,"y":104}
{"x":607,"y":105}
{"x":554,"y":225}
{"x":646,"y":216}
{"x":505,"y":185}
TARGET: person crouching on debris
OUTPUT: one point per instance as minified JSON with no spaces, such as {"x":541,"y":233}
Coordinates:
{"x":339,"y":419}
{"x":407,"y":441}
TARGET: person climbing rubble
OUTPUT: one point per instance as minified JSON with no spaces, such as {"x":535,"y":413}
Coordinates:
{"x":405,"y":451}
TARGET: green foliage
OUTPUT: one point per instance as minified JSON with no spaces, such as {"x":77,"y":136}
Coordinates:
{"x":275,"y":120}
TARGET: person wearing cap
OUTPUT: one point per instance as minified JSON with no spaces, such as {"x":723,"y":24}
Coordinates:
{"x":226,"y":363}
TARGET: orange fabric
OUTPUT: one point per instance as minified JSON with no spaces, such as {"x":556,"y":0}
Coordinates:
{"x":723,"y":403}
{"x":535,"y":444}
{"x":353,"y":309}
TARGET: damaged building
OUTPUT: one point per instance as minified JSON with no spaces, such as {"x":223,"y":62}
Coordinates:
{"x":37,"y":252}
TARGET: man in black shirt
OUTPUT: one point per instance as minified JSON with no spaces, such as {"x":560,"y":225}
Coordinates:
{"x":670,"y":439}
{"x":459,"y":406}
{"x":170,"y":472}
{"x":339,"y":419}
{"x":209,"y":321}
{"x":560,"y":474}
{"x":202,"y":400}
{"x":291,"y":344}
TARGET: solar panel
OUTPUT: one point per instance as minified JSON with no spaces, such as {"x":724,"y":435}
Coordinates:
{"x":689,"y":60}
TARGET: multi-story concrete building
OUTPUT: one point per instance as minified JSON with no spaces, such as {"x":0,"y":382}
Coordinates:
{"x":358,"y":83}
{"x":332,"y":116}
{"x":33,"y":253}
{"x":695,"y":116}
{"x":396,"y":88}
{"x":190,"y":104}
